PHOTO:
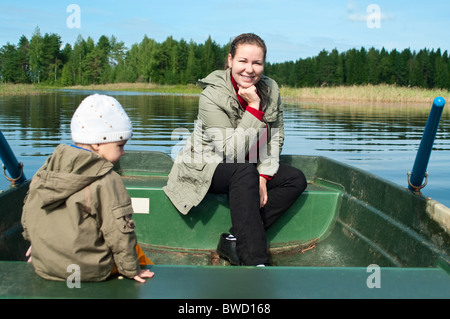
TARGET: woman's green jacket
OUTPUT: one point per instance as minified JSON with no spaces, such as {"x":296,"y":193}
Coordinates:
{"x":225,"y":132}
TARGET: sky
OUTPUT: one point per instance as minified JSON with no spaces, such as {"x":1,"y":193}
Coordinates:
{"x":292,"y":29}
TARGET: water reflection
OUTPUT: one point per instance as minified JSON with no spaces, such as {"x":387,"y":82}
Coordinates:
{"x":380,"y":139}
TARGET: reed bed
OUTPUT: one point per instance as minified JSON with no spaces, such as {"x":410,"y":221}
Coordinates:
{"x":8,"y":89}
{"x":363,"y":94}
{"x":142,"y":87}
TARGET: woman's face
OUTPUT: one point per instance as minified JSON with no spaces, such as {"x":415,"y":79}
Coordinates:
{"x":247,"y":65}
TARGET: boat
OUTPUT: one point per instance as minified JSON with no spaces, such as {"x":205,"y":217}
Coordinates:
{"x":351,"y":234}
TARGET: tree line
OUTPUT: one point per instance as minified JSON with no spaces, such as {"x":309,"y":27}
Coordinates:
{"x":424,"y":69}
{"x":43,"y":59}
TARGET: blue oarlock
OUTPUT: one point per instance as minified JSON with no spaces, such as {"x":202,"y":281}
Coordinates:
{"x":10,"y":163}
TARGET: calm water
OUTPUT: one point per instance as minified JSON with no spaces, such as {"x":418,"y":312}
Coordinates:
{"x":381,"y":140}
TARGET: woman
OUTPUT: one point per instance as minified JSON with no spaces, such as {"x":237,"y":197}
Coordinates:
{"x":235,"y":149}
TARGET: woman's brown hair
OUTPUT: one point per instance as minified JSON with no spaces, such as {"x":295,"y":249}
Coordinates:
{"x":247,"y":38}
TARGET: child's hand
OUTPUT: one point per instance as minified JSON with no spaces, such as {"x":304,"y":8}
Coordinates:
{"x":143,"y":273}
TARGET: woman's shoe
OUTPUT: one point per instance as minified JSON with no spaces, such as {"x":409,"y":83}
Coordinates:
{"x":227,"y":250}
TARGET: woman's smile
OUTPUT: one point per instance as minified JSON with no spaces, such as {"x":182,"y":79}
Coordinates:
{"x":247,"y":78}
{"x":247,"y":65}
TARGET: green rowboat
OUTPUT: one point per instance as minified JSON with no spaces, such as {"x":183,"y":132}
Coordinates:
{"x":351,"y":234}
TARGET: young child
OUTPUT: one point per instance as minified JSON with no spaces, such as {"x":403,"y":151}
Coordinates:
{"x":77,"y":210}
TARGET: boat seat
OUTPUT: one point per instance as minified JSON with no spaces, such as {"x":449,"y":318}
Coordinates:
{"x":309,"y":218}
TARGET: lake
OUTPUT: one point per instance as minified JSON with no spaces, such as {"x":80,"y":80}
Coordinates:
{"x":379,"y":139}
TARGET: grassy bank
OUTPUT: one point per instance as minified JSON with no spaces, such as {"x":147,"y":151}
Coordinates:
{"x":142,"y":87}
{"x":7,"y":89}
{"x":364,"y":94}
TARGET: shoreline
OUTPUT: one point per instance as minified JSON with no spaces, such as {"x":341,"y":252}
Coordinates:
{"x":362,"y":94}
{"x":381,"y":94}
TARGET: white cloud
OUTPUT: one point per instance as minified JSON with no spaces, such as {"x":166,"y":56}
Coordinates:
{"x":364,"y":17}
{"x":352,"y":5}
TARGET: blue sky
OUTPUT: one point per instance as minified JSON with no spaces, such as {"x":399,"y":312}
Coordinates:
{"x":292,"y":29}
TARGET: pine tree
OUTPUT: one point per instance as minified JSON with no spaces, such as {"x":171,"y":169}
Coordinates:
{"x":441,"y":71}
{"x":373,"y":66}
{"x":36,"y":53}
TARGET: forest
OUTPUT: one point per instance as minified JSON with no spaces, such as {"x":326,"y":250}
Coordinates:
{"x":43,"y":59}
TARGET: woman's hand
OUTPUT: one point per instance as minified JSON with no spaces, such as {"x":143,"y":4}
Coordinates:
{"x":262,"y":192}
{"x":143,"y":273}
{"x":251,"y":96}
{"x":28,"y":254}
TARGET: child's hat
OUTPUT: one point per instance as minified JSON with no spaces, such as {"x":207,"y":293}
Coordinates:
{"x":100,"y":119}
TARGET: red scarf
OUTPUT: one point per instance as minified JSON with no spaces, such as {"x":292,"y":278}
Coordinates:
{"x":257,"y":113}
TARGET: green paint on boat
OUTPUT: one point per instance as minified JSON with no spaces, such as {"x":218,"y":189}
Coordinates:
{"x":346,"y":220}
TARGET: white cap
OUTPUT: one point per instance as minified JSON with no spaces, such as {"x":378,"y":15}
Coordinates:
{"x":100,"y":119}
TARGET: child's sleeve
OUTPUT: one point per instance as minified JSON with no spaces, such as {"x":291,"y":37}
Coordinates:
{"x":123,"y":241}
{"x":118,"y":231}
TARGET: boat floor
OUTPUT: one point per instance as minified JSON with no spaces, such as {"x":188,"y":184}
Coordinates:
{"x":341,"y":248}
{"x":323,"y":240}
{"x":18,"y":280}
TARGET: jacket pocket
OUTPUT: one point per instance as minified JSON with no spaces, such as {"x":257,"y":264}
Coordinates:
{"x":193,"y":161}
{"x":196,"y":166}
{"x":123,"y":218}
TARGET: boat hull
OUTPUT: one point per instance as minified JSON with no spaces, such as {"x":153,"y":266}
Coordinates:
{"x":349,"y":233}
{"x":345,"y":218}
